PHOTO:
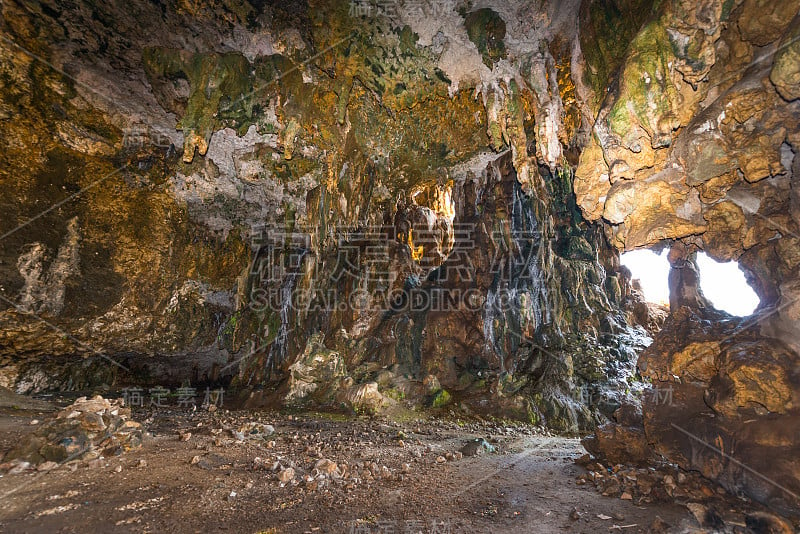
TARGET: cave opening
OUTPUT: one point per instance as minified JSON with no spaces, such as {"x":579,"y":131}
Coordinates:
{"x":651,"y":270}
{"x":723,"y":283}
{"x":725,"y":286}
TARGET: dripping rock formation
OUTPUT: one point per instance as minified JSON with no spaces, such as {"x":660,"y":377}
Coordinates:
{"x":374,"y":208}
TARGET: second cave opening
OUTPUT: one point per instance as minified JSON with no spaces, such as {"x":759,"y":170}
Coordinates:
{"x":722,"y":283}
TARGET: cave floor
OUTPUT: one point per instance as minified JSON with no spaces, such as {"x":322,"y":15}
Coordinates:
{"x":213,"y":482}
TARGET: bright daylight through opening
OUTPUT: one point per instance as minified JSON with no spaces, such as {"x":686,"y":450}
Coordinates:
{"x":723,"y":284}
{"x":652,"y":271}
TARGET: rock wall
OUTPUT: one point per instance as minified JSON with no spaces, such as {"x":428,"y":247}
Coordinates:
{"x":257,"y":190}
{"x":505,"y":302}
{"x":696,"y":143}
{"x":696,"y":140}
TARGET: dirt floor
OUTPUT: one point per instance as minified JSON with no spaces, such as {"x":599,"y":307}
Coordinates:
{"x":195,"y":473}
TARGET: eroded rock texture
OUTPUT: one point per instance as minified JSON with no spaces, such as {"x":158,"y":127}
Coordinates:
{"x":342,"y":204}
{"x":696,"y":142}
{"x":326,"y":204}
{"x":736,"y":393}
{"x":485,"y":297}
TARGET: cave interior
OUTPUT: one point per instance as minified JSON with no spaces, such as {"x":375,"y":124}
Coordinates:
{"x":475,"y":228}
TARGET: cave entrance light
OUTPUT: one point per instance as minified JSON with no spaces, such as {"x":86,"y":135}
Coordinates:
{"x":722,"y":283}
{"x":652,"y":271}
{"x":725,"y":286}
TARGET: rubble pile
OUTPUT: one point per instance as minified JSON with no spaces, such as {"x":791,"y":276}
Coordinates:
{"x":85,"y":430}
{"x":310,"y":458}
{"x":711,"y":505}
{"x":663,"y":483}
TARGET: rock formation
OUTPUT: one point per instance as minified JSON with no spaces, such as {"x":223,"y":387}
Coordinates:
{"x":697,"y":143}
{"x":376,"y":206}
{"x":84,"y":430}
{"x":324,"y":185}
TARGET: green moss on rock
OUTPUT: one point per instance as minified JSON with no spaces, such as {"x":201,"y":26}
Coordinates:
{"x":607,"y":28}
{"x":220,"y":84}
{"x":487,"y":30}
{"x":647,"y":96}
{"x":440,"y":399}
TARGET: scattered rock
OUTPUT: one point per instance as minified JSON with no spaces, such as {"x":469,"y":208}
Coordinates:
{"x":619,"y":444}
{"x":366,"y":398}
{"x":705,"y":516}
{"x":659,"y":525}
{"x":386,"y":472}
{"x":476,"y":446}
{"x":87,"y":428}
{"x":47,"y":466}
{"x":19,"y":468}
{"x":253,"y":431}
{"x":97,"y":463}
{"x":326,"y":466}
{"x":286,"y":476}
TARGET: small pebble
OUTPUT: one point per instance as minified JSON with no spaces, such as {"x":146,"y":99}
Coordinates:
{"x":285,"y":476}
{"x":47,"y":466}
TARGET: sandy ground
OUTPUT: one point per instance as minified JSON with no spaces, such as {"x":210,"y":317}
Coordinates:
{"x":214,"y":482}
